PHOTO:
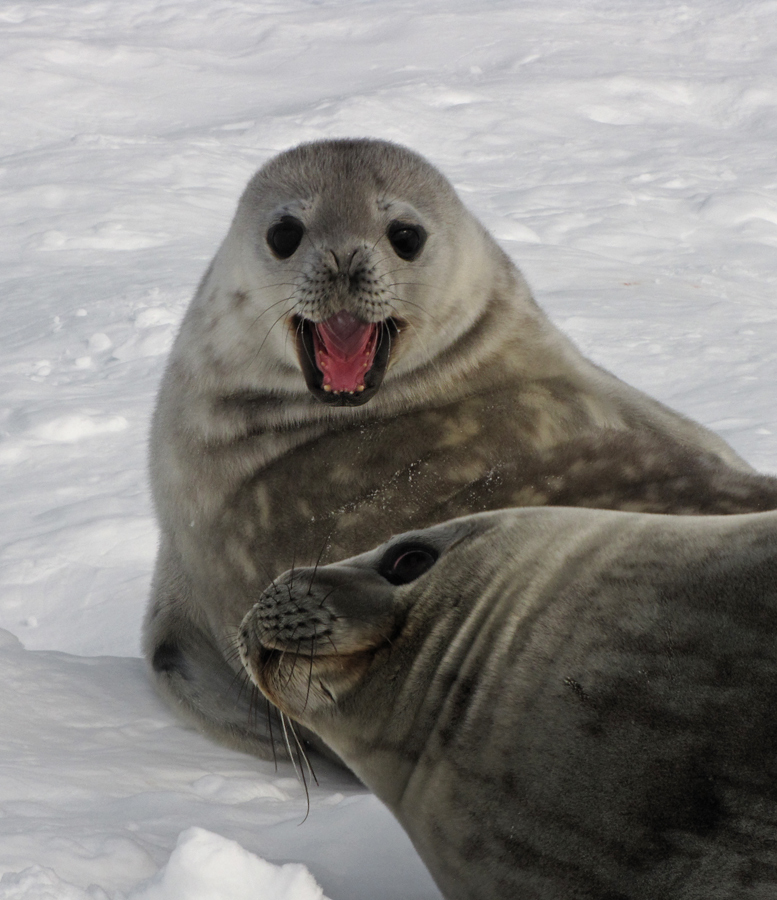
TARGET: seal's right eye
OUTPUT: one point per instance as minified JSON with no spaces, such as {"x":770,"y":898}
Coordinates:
{"x":285,"y":236}
{"x":406,"y":239}
{"x":406,"y":562}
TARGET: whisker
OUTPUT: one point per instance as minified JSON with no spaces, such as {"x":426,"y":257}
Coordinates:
{"x":288,"y":744}
{"x":272,"y":306}
{"x":253,"y":706}
{"x":329,"y":594}
{"x":320,"y":555}
{"x":269,"y":707}
{"x":300,"y":326}
{"x":292,"y":569}
{"x":269,"y":331}
{"x":293,"y":665}
{"x":310,"y":671}
{"x":303,"y":756}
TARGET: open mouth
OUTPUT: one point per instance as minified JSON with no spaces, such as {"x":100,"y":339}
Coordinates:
{"x":344,"y":359}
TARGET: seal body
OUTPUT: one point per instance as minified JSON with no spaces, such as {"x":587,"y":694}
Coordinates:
{"x":556,"y":704}
{"x":361,"y":358}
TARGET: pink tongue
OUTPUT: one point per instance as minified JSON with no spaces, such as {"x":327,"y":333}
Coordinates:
{"x":345,"y":350}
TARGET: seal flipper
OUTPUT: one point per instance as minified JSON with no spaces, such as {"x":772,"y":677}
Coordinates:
{"x":190,"y":672}
{"x":168,"y":658}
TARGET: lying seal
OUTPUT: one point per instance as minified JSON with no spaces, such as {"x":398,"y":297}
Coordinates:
{"x":555,"y":703}
{"x":361,"y":358}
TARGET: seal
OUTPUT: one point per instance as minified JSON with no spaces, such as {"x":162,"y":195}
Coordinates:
{"x":554,"y":703}
{"x":361,"y":358}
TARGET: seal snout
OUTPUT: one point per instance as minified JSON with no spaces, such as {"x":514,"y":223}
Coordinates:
{"x":313,"y":632}
{"x":281,"y":638}
{"x":283,"y":618}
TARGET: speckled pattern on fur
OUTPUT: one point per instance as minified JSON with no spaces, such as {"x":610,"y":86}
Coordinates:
{"x":484,"y":404}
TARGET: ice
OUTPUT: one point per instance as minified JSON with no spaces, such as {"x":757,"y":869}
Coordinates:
{"x":77,"y":426}
{"x":205,"y":866}
{"x":38,"y":883}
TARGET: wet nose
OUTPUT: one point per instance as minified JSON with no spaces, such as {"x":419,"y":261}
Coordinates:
{"x":344,"y":261}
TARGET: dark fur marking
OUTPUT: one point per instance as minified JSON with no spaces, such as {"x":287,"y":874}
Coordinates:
{"x":168,"y":658}
{"x":622,"y":470}
{"x":757,"y":872}
{"x":462,"y":693}
{"x":687,"y":800}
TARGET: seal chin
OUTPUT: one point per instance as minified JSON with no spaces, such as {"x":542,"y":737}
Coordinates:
{"x":301,"y":684}
{"x":263,"y":665}
{"x":344,"y":359}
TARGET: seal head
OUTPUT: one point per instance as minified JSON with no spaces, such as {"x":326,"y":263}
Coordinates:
{"x":308,"y":651}
{"x":344,"y":242}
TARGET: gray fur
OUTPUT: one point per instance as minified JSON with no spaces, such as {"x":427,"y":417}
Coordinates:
{"x":569,"y":704}
{"x":484,"y":405}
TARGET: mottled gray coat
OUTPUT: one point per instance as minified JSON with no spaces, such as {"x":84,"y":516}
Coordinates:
{"x":568,"y":704}
{"x":484,"y":405}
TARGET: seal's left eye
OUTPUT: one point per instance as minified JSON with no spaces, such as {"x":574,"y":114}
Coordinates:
{"x":407,"y":240}
{"x":405,"y":563}
{"x":285,"y":236}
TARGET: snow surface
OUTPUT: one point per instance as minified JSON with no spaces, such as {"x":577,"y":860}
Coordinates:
{"x":623,"y":153}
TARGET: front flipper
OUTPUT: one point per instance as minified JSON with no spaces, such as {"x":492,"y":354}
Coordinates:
{"x":191,"y":673}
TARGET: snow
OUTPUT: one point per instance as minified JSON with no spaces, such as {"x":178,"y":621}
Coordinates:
{"x":623,"y":154}
{"x":204,"y":866}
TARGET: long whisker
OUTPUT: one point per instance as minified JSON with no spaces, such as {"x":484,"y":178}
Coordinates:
{"x":269,"y":707}
{"x":310,"y":671}
{"x":273,"y":305}
{"x":288,"y":746}
{"x":283,"y":315}
{"x":320,"y":556}
{"x":303,"y":756}
{"x":293,"y":665}
{"x":300,"y":326}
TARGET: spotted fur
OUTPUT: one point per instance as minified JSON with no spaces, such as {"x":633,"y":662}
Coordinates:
{"x":484,"y":405}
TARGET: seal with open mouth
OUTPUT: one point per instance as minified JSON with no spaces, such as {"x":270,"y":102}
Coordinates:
{"x":557,"y":704}
{"x":361,"y":358}
{"x":344,"y":359}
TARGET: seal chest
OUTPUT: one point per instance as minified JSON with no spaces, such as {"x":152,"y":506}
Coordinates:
{"x":560,"y":704}
{"x":359,"y":359}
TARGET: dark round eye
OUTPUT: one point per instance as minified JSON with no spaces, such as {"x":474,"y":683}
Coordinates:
{"x":407,"y":240}
{"x":406,"y":562}
{"x":285,"y":236}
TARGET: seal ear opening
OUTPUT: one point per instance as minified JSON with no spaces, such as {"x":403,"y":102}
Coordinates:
{"x":405,"y":562}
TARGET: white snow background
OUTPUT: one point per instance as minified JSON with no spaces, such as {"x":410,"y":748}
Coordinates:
{"x":624,"y":153}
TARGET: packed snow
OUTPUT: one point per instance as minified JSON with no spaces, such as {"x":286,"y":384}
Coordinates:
{"x":624,"y":155}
